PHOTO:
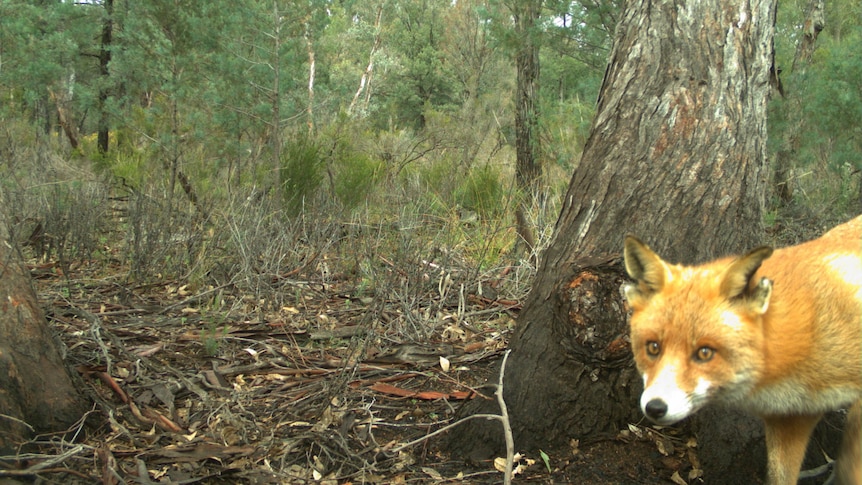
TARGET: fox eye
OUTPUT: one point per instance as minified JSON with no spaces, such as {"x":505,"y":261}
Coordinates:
{"x":704,"y":354}
{"x":653,"y":348}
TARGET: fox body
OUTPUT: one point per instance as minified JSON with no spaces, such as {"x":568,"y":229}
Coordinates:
{"x":778,"y":333}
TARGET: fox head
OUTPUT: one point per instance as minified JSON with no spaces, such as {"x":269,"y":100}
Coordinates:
{"x":695,"y":330}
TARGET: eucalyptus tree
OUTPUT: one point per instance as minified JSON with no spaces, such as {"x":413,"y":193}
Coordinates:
{"x":676,"y":154}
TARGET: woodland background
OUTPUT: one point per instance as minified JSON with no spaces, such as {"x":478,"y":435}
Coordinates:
{"x":194,"y":172}
{"x":197,"y":114}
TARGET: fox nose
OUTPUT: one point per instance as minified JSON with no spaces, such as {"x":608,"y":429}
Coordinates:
{"x":655,"y":409}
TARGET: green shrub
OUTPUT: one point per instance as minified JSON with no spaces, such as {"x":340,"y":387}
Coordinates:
{"x":356,"y":178}
{"x":302,"y":172}
{"x":482,"y":191}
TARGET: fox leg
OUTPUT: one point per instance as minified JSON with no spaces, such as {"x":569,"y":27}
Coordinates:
{"x":849,"y":467}
{"x":786,"y":441}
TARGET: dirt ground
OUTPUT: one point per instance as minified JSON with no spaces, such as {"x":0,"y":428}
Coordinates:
{"x":309,"y":393}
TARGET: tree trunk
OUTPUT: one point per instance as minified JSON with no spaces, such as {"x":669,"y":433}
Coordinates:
{"x":365,"y":80}
{"x":36,"y":391}
{"x":526,"y":114}
{"x":527,"y":167}
{"x":276,"y":140}
{"x":104,"y":60}
{"x":309,"y":48}
{"x":676,"y":155}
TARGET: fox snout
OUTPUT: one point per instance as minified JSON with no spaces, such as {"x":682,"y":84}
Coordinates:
{"x":665,"y":402}
{"x":655,"y":409}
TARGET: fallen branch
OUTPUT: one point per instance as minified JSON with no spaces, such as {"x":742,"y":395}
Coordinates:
{"x":503,"y":417}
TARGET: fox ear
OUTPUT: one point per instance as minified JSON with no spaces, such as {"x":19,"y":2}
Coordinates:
{"x":645,"y":267}
{"x":737,"y":280}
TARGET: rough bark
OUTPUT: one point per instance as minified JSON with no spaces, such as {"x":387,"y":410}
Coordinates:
{"x":36,"y":391}
{"x":526,"y":112}
{"x":527,"y":167}
{"x":676,"y":155}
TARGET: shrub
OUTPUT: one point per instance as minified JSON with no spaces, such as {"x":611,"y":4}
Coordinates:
{"x":301,"y":173}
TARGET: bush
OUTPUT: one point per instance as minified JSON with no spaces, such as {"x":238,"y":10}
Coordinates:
{"x":482,"y":191}
{"x":356,"y":178}
{"x":301,"y":174}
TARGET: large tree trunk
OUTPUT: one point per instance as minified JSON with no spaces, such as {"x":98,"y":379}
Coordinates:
{"x":677,"y":156}
{"x":36,"y":392}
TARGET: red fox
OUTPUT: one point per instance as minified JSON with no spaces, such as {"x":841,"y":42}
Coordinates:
{"x":777,"y":333}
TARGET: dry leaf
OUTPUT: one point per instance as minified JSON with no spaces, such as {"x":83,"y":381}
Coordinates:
{"x":444,"y":364}
{"x":402,"y":414}
{"x":665,"y":447}
{"x":432,"y":473}
{"x":675,"y":478}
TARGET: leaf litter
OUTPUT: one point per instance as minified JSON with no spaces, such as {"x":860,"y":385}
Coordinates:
{"x":318,"y":392}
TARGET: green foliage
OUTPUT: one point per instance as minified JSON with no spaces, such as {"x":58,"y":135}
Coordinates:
{"x":833,"y":104}
{"x":357,"y":175}
{"x":302,"y":171}
{"x":817,"y":126}
{"x":213,"y":334}
{"x":565,"y":128}
{"x":482,"y":191}
{"x":209,"y":89}
{"x":424,"y":79}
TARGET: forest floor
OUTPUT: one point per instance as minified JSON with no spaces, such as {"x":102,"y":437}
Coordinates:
{"x":310,"y":393}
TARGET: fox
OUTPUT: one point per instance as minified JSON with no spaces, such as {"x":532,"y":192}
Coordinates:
{"x":775,"y":332}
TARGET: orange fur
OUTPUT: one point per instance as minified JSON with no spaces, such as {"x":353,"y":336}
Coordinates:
{"x":777,"y":333}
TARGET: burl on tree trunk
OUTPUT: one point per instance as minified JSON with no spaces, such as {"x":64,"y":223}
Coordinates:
{"x":36,"y":391}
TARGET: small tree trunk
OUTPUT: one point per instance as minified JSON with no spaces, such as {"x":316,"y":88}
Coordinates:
{"x":309,"y":47}
{"x":36,"y":391}
{"x":276,"y":139}
{"x":104,"y":60}
{"x":365,"y":80}
{"x":63,"y":117}
{"x":527,"y":167}
{"x":526,"y":113}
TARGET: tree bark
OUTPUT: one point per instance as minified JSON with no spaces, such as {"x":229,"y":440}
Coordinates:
{"x":527,"y":167}
{"x":103,"y":139}
{"x":676,"y":155}
{"x":526,"y":112}
{"x":36,"y":391}
{"x":276,"y":140}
